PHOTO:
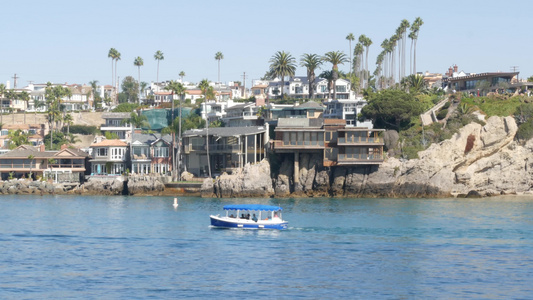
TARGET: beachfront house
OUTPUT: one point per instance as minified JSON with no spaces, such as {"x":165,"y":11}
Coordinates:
{"x":65,"y":165}
{"x":109,"y":157}
{"x":229,"y":148}
{"x":151,"y":153}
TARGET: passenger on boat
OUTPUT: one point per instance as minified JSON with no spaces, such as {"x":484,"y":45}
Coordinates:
{"x":276,"y":216}
{"x":243,"y":217}
{"x":231,"y":216}
{"x":254,"y":218}
{"x":248,"y":217}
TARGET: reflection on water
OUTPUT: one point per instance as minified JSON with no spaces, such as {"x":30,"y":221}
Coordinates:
{"x":134,"y":247}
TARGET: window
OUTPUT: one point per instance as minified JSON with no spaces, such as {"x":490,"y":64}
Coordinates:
{"x":101,"y":152}
{"x":161,"y":152}
{"x":340,"y":88}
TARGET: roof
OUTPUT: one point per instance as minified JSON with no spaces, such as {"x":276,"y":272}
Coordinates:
{"x":299,"y":123}
{"x":482,"y":75}
{"x":24,"y":152}
{"x":110,"y":143}
{"x":310,"y":104}
{"x":226,"y":131}
{"x":252,"y":207}
{"x":150,"y":138}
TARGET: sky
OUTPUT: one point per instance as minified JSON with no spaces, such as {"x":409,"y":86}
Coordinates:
{"x":68,"y":41}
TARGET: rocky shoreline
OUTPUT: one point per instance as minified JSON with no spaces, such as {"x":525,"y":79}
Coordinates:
{"x":478,"y":161}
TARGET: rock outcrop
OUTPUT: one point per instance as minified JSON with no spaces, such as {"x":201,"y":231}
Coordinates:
{"x":104,"y":186}
{"x":479,"y":160}
{"x":144,"y":184}
{"x":252,"y":181}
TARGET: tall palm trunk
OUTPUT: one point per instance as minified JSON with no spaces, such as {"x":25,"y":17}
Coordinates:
{"x":335,"y":76}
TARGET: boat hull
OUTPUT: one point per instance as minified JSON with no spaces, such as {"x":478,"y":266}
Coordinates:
{"x":225,"y":222}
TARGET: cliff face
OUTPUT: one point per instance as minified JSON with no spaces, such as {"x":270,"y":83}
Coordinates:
{"x":251,"y":181}
{"x":480,"y":160}
{"x":484,"y":159}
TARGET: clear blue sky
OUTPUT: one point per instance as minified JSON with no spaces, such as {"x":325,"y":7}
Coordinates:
{"x":68,"y":41}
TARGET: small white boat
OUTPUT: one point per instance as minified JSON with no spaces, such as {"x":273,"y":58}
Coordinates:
{"x":251,"y":216}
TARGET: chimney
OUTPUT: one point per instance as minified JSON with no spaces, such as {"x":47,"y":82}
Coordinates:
{"x":450,"y":71}
{"x":64,"y":146}
{"x":455,"y":68}
{"x":41,"y":148}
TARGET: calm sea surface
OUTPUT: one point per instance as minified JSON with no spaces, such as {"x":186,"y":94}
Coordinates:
{"x":61,"y":247}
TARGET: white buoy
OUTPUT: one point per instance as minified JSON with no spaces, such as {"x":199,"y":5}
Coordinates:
{"x":176,"y":202}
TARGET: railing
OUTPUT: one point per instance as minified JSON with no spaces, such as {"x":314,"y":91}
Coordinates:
{"x":215,"y":147}
{"x":359,"y":139}
{"x":18,"y":166}
{"x":359,"y":157}
{"x":66,"y":166}
{"x":299,"y":144}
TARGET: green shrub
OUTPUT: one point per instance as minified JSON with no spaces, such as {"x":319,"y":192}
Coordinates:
{"x":446,"y":105}
{"x":82,"y":129}
{"x":525,"y":131}
{"x":442,"y":114}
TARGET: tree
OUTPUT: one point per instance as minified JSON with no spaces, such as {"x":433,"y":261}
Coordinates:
{"x":328,"y":75}
{"x":53,"y":97}
{"x":391,"y":108}
{"x":182,"y":74}
{"x":130,"y":87}
{"x":96,"y":96}
{"x":112,"y":54}
{"x":69,"y":121}
{"x":335,"y":58}
{"x":36,"y":105}
{"x":2,"y":92}
{"x":414,"y":84}
{"x":204,"y":87}
{"x":179,"y":89}
{"x":350,"y":37}
{"x":138,"y":62}
{"x":24,"y":96}
{"x":17,"y":138}
{"x":415,"y":29}
{"x":366,"y":42}
{"x":311,"y":62}
{"x":219,"y":56}
{"x":31,"y":157}
{"x":159,"y":57}
{"x":282,"y":64}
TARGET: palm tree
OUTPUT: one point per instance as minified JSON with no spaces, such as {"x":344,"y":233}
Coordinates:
{"x":328,"y":75}
{"x":138,"y":62}
{"x":112,"y":54}
{"x":219,"y":56}
{"x":282,"y":64}
{"x":179,"y":89}
{"x":204,"y":87}
{"x":24,"y":96}
{"x":358,"y":62}
{"x":158,"y":56}
{"x":350,"y":37}
{"x":143,"y":86}
{"x":69,"y":121}
{"x":311,"y":62}
{"x":366,"y":42}
{"x":182,"y":74}
{"x":36,"y":105}
{"x":336,"y":58}
{"x":31,"y":157}
{"x":415,"y":28}
{"x":117,"y":58}
{"x":2,"y":91}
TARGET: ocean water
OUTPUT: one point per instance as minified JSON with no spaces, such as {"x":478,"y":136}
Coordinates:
{"x":66,"y":247}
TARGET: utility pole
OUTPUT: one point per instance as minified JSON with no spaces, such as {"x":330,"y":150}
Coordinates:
{"x":244,"y":84}
{"x":15,"y":81}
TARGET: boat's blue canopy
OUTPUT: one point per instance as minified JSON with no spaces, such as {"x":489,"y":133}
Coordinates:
{"x":252,"y":207}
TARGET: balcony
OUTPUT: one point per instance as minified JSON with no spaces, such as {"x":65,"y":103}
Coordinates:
{"x":360,"y":159}
{"x":298,"y":145}
{"x":214,"y":148}
{"x":359,"y":141}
